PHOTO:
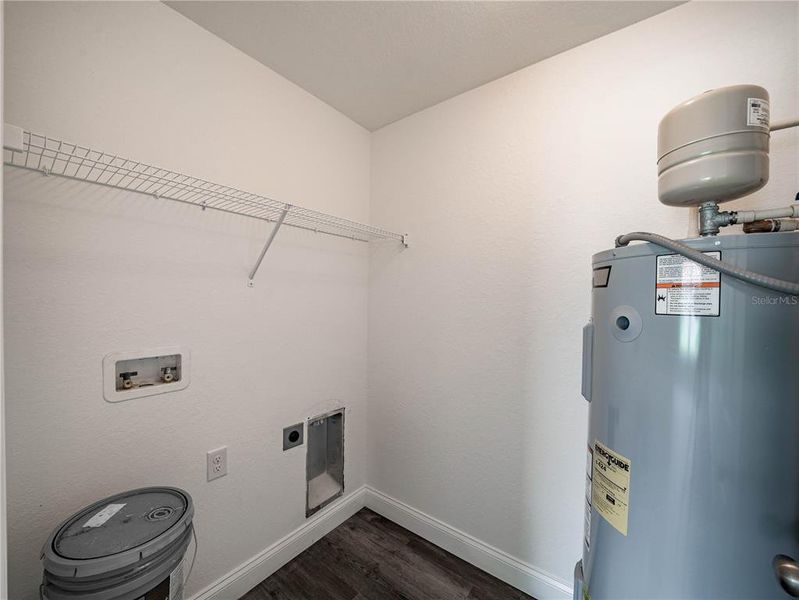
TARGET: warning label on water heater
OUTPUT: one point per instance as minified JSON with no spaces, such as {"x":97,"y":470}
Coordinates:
{"x":683,"y":287}
{"x":611,"y":486}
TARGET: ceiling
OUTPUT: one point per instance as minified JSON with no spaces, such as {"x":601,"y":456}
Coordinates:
{"x":377,"y":62}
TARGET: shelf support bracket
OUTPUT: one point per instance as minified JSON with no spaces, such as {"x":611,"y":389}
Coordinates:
{"x":268,"y":243}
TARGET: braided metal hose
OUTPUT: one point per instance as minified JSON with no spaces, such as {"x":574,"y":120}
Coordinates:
{"x":772,"y":283}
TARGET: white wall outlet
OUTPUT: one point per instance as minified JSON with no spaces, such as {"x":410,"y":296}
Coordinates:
{"x":217,"y":463}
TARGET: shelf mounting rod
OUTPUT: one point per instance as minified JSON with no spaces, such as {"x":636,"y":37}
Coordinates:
{"x":268,"y":243}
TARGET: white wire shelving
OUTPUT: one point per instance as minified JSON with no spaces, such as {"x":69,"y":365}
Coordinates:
{"x":51,"y":156}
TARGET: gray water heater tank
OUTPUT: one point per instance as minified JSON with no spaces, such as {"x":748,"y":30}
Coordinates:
{"x":692,"y":472}
{"x":714,"y":147}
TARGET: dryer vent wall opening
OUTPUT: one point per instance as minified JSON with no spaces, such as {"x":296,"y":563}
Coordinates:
{"x":325,"y":460}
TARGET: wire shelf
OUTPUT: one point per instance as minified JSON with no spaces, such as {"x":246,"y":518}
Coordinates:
{"x":55,"y":157}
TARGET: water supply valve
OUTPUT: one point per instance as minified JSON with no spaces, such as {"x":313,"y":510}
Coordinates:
{"x":127,"y":382}
{"x":145,"y":372}
{"x":167,"y":374}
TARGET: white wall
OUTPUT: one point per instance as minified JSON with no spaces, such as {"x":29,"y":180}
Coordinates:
{"x":91,"y":271}
{"x":507,"y":191}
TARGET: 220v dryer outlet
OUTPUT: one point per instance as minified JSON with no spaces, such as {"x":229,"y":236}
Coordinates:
{"x":217,"y":463}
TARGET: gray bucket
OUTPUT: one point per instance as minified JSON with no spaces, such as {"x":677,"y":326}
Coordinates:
{"x":127,"y":547}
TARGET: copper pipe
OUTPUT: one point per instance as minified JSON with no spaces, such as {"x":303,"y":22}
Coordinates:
{"x":771,"y":225}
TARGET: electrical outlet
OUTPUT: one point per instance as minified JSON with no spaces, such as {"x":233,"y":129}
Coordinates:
{"x":217,"y":463}
{"x":292,"y":436}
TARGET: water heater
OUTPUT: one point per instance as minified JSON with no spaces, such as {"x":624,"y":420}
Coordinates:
{"x":690,"y":370}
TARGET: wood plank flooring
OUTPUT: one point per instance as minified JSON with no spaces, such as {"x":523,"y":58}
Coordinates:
{"x":370,"y":558}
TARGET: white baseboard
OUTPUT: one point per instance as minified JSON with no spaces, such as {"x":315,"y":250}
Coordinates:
{"x":521,"y":575}
{"x":249,"y":574}
{"x":513,"y":571}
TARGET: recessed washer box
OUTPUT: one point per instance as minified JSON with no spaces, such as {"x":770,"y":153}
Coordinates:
{"x":139,"y":373}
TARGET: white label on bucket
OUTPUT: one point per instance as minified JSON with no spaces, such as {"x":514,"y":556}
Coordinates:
{"x":757,"y":112}
{"x":176,"y":583}
{"x":101,"y":517}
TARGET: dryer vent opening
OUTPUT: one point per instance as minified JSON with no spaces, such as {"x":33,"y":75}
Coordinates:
{"x":325,"y":460}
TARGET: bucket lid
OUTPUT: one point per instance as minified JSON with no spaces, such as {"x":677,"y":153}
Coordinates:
{"x":117,"y":532}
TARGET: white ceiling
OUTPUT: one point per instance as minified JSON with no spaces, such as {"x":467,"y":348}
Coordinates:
{"x":377,"y":62}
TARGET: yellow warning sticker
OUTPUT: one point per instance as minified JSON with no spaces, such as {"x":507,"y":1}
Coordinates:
{"x":611,"y":486}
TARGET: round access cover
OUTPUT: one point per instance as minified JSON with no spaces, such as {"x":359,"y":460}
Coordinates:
{"x":129,"y":527}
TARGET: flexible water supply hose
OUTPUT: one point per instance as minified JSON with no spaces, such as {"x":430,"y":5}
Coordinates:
{"x":778,"y":285}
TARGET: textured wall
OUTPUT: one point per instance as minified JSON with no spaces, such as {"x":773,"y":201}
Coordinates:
{"x":91,"y":271}
{"x":507,"y":191}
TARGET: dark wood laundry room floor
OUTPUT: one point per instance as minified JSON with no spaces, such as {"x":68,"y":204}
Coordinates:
{"x":370,"y":558}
